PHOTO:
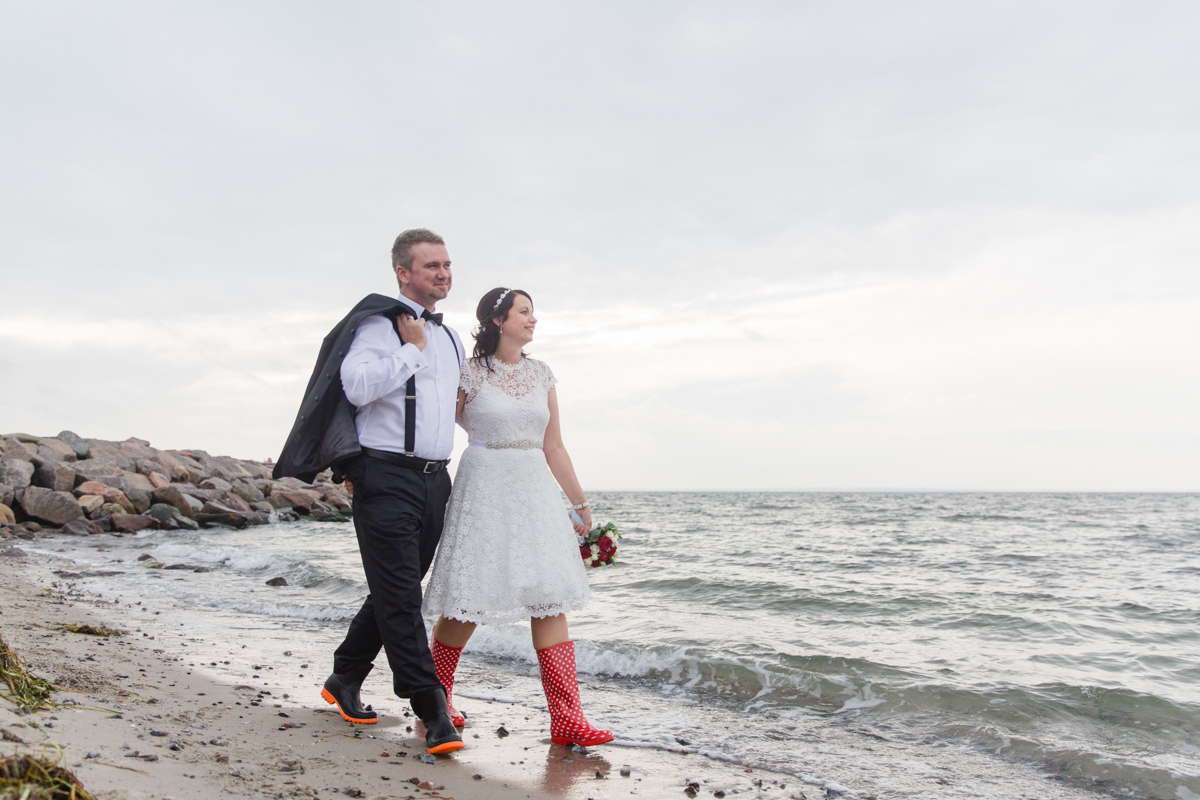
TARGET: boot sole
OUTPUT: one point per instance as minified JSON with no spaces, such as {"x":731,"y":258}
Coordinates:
{"x":444,"y":747}
{"x":329,"y":698}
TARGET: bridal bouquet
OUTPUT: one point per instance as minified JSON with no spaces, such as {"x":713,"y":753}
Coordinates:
{"x":599,"y":548}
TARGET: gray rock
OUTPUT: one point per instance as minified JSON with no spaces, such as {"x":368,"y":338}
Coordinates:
{"x":54,"y":475}
{"x":23,"y":437}
{"x":46,"y":505}
{"x":173,"y":497}
{"x":137,"y":481}
{"x":137,"y":448}
{"x":90,"y":503}
{"x":141,"y":500}
{"x":107,"y":510}
{"x":185,"y":522}
{"x":16,"y":473}
{"x":76,"y":443}
{"x":262,"y":506}
{"x":13,"y":448}
{"x":79,"y":527}
{"x":220,"y":484}
{"x":172,"y":467}
{"x":94,"y":469}
{"x":236,"y":503}
{"x":248,"y":492}
{"x":277,"y":582}
{"x":6,"y":494}
{"x":162,"y":511}
{"x":131,"y":523}
{"x":12,"y":552}
{"x":108,"y":451}
{"x":65,"y":451}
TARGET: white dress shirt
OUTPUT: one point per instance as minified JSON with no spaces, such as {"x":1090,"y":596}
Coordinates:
{"x":375,"y":371}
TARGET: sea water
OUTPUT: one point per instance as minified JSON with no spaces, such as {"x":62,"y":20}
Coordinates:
{"x":907,"y":645}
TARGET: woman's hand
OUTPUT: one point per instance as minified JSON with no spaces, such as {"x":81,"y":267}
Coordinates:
{"x":585,"y":514}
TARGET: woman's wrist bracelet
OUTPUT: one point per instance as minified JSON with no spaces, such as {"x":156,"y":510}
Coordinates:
{"x":584,"y":504}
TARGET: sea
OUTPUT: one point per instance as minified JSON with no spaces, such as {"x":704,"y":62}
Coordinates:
{"x":873,"y":644}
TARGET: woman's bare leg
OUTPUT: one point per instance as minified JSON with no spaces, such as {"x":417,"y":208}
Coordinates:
{"x":548,"y":631}
{"x":453,"y":632}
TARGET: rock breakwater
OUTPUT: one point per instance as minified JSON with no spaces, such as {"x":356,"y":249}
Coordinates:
{"x":87,"y":486}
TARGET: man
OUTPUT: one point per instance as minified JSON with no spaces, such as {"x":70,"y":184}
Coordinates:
{"x":399,"y":372}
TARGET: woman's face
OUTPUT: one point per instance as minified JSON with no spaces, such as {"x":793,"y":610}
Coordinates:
{"x":519,"y":324}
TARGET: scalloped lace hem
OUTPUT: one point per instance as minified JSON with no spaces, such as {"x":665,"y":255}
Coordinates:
{"x":514,"y":615}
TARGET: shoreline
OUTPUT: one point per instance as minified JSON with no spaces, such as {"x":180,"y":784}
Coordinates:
{"x":143,"y":693}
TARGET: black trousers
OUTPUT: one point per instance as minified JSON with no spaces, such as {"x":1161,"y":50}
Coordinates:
{"x":398,"y":516}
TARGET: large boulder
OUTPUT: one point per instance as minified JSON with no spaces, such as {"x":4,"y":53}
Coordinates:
{"x":54,"y":475}
{"x":80,"y":527}
{"x":56,"y":508}
{"x":93,"y":469}
{"x":138,"y":481}
{"x":90,"y":503}
{"x":76,"y":443}
{"x":16,"y":473}
{"x":64,"y":450}
{"x":131,"y":523}
{"x":193,"y":470}
{"x":248,"y":492}
{"x":7,"y":517}
{"x":173,"y":467}
{"x":220,"y":484}
{"x":15,"y":448}
{"x":137,"y":448}
{"x":173,"y":496}
{"x":235,"y":502}
{"x":217,"y":514}
{"x":23,"y":437}
{"x":111,"y":494}
{"x":296,"y":498}
{"x":158,"y":480}
{"x":6,"y":494}
{"x":107,"y":451}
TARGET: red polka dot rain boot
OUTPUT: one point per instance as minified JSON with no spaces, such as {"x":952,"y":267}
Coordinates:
{"x":445,"y":659}
{"x":567,"y":723}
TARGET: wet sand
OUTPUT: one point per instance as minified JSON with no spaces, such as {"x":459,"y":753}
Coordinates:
{"x":142,"y":716}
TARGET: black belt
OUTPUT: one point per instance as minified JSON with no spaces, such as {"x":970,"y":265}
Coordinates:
{"x":411,"y":462}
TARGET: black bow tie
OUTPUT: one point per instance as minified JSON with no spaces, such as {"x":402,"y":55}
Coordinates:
{"x":436,"y":319}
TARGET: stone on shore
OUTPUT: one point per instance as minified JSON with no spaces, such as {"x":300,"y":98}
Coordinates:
{"x":16,"y":473}
{"x":65,"y":451}
{"x":47,"y":505}
{"x":94,"y":469}
{"x":162,"y":512}
{"x":248,"y":492}
{"x":79,"y":527}
{"x":7,"y":517}
{"x":296,"y":498}
{"x":7,"y":494}
{"x":76,"y":443}
{"x":53,"y":475}
{"x":158,"y":480}
{"x":90,"y":503}
{"x":131,"y":523}
{"x":173,"y":496}
{"x":15,"y":448}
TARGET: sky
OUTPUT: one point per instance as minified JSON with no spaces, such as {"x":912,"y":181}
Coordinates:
{"x":821,"y":245}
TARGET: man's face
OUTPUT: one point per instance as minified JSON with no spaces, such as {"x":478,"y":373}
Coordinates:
{"x":429,"y":279}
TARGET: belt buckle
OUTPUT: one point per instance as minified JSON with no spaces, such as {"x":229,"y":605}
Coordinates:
{"x":435,"y":465}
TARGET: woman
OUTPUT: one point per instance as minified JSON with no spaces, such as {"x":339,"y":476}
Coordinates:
{"x":508,"y":551}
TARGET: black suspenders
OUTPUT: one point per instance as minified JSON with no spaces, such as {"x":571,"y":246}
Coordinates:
{"x":410,"y":400}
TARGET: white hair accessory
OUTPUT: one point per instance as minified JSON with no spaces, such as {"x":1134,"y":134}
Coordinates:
{"x":500,"y":299}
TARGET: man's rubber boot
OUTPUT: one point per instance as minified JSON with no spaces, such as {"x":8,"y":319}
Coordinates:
{"x":440,"y":734}
{"x":342,"y":691}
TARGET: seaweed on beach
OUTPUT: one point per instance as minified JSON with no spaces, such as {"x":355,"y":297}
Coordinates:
{"x":27,"y":689}
{"x":26,"y":777}
{"x":92,"y":630}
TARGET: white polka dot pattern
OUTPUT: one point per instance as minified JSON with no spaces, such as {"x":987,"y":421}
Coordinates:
{"x":559,"y":682}
{"x":445,"y":660}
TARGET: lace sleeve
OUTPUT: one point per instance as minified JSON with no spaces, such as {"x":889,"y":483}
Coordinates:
{"x":469,"y":380}
{"x":548,"y":379}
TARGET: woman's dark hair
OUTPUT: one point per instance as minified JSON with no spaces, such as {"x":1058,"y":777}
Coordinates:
{"x":487,"y":335}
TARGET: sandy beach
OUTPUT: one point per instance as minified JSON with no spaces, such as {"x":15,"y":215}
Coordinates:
{"x":138,"y":716}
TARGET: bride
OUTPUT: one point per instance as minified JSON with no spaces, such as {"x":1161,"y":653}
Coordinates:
{"x":508,"y":551}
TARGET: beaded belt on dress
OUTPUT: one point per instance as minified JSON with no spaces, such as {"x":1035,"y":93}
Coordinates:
{"x":517,"y":444}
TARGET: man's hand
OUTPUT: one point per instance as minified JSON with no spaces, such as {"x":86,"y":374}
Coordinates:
{"x":411,"y":330}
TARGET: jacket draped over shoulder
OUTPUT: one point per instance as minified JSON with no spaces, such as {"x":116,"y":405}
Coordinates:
{"x":323,"y":434}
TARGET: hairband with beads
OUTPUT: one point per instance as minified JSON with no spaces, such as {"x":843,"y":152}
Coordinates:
{"x":500,"y":299}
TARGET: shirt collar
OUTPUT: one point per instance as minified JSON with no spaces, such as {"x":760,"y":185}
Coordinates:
{"x":417,"y":309}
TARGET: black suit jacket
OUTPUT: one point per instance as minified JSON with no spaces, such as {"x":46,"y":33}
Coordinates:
{"x":323,"y":434}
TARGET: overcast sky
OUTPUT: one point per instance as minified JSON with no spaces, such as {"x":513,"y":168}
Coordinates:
{"x":923,"y":245}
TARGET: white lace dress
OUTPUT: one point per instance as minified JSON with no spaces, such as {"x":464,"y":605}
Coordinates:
{"x":508,"y":550}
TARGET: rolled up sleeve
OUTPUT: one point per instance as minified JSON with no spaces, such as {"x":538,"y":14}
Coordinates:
{"x":377,"y":364}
